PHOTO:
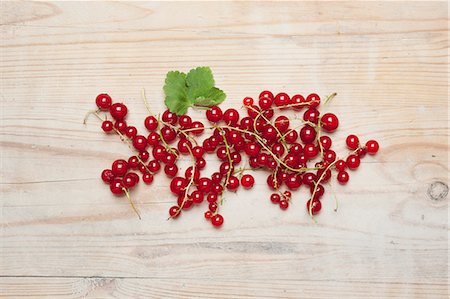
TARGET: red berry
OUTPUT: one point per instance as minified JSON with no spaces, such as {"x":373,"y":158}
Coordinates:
{"x":185,"y":121}
{"x":352,"y":142}
{"x":253,"y":111}
{"x":265,"y":103}
{"x":313,"y":100}
{"x":217,"y":220}
{"x":131,"y":131}
{"x":168,"y":134}
{"x":298,"y":102}
{"x":212,"y":197}
{"x":200,"y":163}
{"x":372,"y":147}
{"x":310,"y":150}
{"x":340,"y":165}
{"x":129,"y":180}
{"x":119,"y":167}
{"x":140,"y":143}
{"x":153,"y":139}
{"x":293,"y":181}
{"x":275,"y":198}
{"x":184,"y":202}
{"x":287,"y":194}
{"x":171,"y":170}
{"x":169,"y":117}
{"x":233,"y":183}
{"x":174,"y":211}
{"x":291,"y":136}
{"x":103,"y":101}
{"x":198,"y":152}
{"x":178,"y":185}
{"x":147,"y":178}
{"x":208,"y":215}
{"x":278,"y":149}
{"x":343,"y":177}
{"x":144,"y":155}
{"x":151,"y":123}
{"x":231,"y":117}
{"x":107,"y":176}
{"x":197,"y":127}
{"x":212,"y":207}
{"x":266,"y":94}
{"x":282,"y":99}
{"x":204,"y":185}
{"x":361,"y":152}
{"x":192,"y":171}
{"x":329,"y":122}
{"x":214,"y":114}
{"x":247,"y":181}
{"x":117,"y":187}
{"x":352,"y":162}
{"x":247,"y":101}
{"x":308,"y":134}
{"x":284,"y":204}
{"x":326,"y":142}
{"x":118,"y":111}
{"x":154,"y":166}
{"x":197,"y":197}
{"x":282,"y":123}
{"x":329,"y":156}
{"x":309,"y":178}
{"x":107,"y":126}
{"x":315,"y":208}
{"x":312,"y":115}
{"x":320,"y":190}
{"x":121,"y":126}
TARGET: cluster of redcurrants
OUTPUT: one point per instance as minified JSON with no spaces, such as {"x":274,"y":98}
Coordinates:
{"x":269,"y":143}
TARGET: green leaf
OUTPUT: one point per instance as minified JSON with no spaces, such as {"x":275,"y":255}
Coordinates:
{"x":175,"y":90}
{"x":213,"y":97}
{"x":199,"y":81}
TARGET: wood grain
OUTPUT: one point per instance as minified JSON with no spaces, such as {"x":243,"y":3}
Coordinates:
{"x":64,"y":236}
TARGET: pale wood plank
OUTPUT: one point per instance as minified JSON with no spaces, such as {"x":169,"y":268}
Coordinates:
{"x":387,"y":61}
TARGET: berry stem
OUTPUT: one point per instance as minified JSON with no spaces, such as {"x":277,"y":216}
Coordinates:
{"x":260,"y":114}
{"x":317,"y":184}
{"x":131,"y":202}
{"x":124,"y":139}
{"x":329,"y":98}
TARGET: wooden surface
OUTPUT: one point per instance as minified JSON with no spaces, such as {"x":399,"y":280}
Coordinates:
{"x":63,"y":235}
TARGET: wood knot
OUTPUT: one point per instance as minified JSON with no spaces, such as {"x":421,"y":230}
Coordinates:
{"x":437,"y":190}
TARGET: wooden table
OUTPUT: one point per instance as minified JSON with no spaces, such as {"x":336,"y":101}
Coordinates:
{"x":64,"y":235}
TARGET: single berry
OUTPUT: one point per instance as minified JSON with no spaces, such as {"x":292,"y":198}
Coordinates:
{"x":284,"y":204}
{"x":342,"y":177}
{"x":107,"y":126}
{"x":107,"y":176}
{"x":315,"y":207}
{"x":118,"y":111}
{"x":151,"y":123}
{"x":214,"y":114}
{"x":372,"y":147}
{"x":352,"y":142}
{"x":247,"y":101}
{"x":247,"y":181}
{"x":217,"y":220}
{"x":329,"y":122}
{"x":275,"y":198}
{"x":352,"y":162}
{"x":119,"y":167}
{"x":103,"y":101}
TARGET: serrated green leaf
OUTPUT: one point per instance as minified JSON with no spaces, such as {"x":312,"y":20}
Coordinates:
{"x":213,"y":97}
{"x":199,"y":81}
{"x":175,"y":91}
